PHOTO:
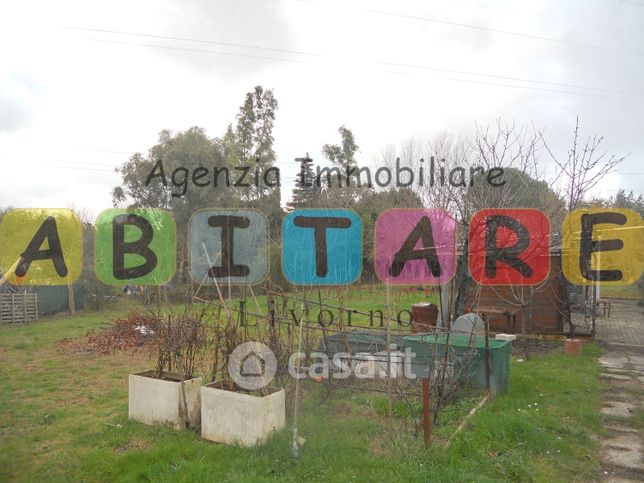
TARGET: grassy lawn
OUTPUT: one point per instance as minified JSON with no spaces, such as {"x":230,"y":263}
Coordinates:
{"x":632,"y":292}
{"x":64,"y":417}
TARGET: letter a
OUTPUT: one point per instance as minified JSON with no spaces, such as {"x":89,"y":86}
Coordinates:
{"x":423,"y":232}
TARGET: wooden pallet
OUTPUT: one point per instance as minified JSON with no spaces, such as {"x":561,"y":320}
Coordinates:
{"x":18,"y":308}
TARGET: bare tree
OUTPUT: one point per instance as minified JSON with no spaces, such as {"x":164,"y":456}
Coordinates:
{"x":495,"y":147}
{"x":517,"y":151}
{"x":584,"y":166}
{"x":508,"y":147}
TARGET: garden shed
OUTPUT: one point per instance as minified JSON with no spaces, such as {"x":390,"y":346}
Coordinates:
{"x":502,"y":304}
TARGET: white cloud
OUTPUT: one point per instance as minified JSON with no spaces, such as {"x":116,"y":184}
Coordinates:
{"x":67,"y":96}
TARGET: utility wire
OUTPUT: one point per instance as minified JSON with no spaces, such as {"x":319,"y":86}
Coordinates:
{"x":640,"y":97}
{"x":202,"y":51}
{"x":505,"y":32}
{"x":89,"y":163}
{"x":104,"y":151}
{"x":632,"y":3}
{"x":502,"y":77}
{"x":78,"y":168}
{"x":185,"y":39}
{"x":508,"y":11}
{"x":543,"y":89}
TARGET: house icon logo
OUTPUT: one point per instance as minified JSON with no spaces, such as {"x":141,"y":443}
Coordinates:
{"x":252,"y":365}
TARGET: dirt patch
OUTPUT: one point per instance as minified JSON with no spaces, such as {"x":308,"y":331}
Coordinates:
{"x":535,"y":347}
{"x":128,"y":332}
{"x":618,"y":408}
{"x":615,"y":377}
{"x":231,"y":386}
{"x":136,"y":444}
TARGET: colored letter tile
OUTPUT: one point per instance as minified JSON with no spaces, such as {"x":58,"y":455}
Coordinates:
{"x":322,"y":247}
{"x":415,"y":246}
{"x":41,"y":247}
{"x":509,"y":246}
{"x":229,"y":246}
{"x":603,"y":246}
{"x":135,"y":246}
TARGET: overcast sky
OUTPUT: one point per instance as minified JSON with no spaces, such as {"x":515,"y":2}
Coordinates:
{"x":80,"y":92}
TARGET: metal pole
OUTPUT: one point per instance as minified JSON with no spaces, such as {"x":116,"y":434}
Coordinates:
{"x":271,"y":314}
{"x":389,"y":379}
{"x":295,"y":448}
{"x":427,"y":417}
{"x":487,"y":354}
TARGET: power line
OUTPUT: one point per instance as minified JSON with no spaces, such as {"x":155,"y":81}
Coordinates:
{"x":532,"y":88}
{"x":519,"y":79}
{"x":505,"y":32}
{"x":515,"y":12}
{"x":413,"y":66}
{"x":104,"y":151}
{"x":87,"y":163}
{"x":626,"y":189}
{"x":632,"y":3}
{"x":90,"y":163}
{"x":202,"y":51}
{"x":202,"y":41}
{"x":533,"y":15}
{"x":78,"y":168}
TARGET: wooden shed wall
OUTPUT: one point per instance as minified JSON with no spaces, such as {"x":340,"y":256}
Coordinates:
{"x":548,"y":304}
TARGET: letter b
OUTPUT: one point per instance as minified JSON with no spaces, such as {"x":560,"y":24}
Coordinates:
{"x":135,"y":246}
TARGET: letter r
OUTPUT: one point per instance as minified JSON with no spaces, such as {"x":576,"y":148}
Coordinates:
{"x":509,"y":247}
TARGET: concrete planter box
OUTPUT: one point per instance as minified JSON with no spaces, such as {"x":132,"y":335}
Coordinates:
{"x":152,"y":400}
{"x":238,"y":418}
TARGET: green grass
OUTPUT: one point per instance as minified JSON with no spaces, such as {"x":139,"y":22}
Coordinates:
{"x":64,"y":417}
{"x":631,"y":292}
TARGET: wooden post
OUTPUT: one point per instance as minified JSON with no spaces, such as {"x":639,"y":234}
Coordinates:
{"x":307,"y":335}
{"x":487,"y":354}
{"x":24,"y":307}
{"x":427,"y":416}
{"x":70,"y":299}
{"x":390,"y":386}
{"x":271,"y":313}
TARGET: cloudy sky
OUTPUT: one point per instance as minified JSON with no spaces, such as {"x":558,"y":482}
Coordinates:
{"x":84,"y":84}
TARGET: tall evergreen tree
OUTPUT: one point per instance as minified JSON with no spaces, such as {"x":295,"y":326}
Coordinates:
{"x":254,"y":138}
{"x":341,"y":191}
{"x":342,"y":155}
{"x":306,"y":191}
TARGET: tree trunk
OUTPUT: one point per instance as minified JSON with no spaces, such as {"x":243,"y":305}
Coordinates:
{"x":462,"y":281}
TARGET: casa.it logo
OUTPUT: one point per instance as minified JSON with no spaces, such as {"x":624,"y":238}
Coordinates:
{"x":322,"y":247}
{"x":252,"y":365}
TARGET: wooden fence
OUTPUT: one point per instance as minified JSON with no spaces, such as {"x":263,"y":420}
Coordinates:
{"x":18,"y":308}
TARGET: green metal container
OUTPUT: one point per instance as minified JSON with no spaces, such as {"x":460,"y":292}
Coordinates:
{"x":464,"y":354}
{"x":359,"y":341}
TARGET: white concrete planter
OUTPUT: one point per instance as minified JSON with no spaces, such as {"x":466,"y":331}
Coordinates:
{"x":231,"y":417}
{"x":160,"y":401}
